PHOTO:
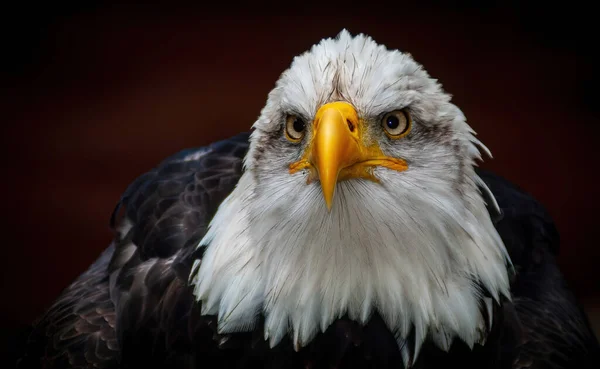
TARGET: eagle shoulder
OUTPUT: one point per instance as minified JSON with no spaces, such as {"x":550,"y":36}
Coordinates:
{"x":135,"y":295}
{"x":553,"y":329}
{"x":165,"y":214}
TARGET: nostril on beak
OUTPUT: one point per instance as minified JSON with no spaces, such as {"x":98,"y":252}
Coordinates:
{"x":350,"y":125}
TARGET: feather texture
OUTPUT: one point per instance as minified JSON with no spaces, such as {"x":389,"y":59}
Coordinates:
{"x":413,"y":246}
{"x":545,"y":329}
{"x":223,"y":259}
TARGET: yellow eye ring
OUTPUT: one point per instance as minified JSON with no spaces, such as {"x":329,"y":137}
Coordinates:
{"x":396,"y":124}
{"x":295,"y":128}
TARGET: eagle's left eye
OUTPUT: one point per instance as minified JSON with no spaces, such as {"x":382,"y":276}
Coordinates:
{"x":294,"y":128}
{"x":396,"y":124}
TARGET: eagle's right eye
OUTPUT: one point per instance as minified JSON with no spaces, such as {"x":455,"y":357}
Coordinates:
{"x":295,"y":128}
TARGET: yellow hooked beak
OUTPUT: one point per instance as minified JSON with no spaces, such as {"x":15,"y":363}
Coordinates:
{"x":338,"y":151}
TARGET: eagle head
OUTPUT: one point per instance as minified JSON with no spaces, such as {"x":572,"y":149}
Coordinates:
{"x":359,"y":197}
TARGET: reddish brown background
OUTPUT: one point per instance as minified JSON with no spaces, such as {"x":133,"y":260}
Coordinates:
{"x":96,"y":95}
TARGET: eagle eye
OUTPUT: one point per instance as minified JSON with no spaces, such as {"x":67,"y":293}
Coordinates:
{"x":295,"y":128}
{"x":396,"y":124}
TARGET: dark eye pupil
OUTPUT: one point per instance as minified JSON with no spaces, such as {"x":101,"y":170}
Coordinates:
{"x":298,"y":125}
{"x":392,"y":122}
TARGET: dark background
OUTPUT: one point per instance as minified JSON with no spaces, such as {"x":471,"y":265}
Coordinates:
{"x":95,"y":95}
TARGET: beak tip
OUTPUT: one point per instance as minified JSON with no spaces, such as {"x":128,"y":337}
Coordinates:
{"x":328,"y":192}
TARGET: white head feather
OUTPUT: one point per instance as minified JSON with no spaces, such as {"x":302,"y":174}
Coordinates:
{"x":415,"y":248}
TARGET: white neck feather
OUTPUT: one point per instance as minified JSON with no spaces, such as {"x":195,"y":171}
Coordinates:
{"x":414,"y":256}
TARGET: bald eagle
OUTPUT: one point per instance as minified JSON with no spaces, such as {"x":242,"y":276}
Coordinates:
{"x":349,"y":229}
